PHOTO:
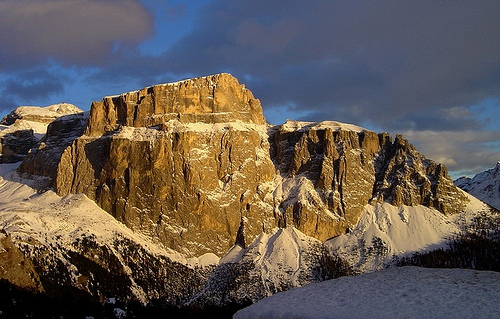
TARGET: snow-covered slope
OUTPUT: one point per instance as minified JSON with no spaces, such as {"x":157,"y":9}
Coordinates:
{"x":40,"y":114}
{"x":73,"y":242}
{"x":384,"y":231}
{"x":281,"y":260}
{"x":405,"y":292}
{"x":35,"y":118}
{"x":38,"y":128}
{"x":485,"y":186}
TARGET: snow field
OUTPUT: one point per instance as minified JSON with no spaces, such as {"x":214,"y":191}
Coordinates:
{"x":405,"y":292}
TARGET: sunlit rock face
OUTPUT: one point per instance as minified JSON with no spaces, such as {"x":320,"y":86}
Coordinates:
{"x":187,"y":163}
{"x":213,"y":99}
{"x":405,"y":177}
{"x":61,"y":132}
{"x":332,"y":168}
{"x":194,"y":165}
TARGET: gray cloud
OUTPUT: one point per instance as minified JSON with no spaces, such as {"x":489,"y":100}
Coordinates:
{"x":31,"y":86}
{"x":70,"y":31}
{"x":397,"y":66}
{"x":394,"y":65}
{"x":353,"y":60}
{"x":466,"y":152}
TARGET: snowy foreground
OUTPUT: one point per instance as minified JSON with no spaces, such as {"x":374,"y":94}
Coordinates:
{"x":406,"y":292}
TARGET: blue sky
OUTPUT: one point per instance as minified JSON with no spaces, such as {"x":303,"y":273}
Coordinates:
{"x":427,"y":69}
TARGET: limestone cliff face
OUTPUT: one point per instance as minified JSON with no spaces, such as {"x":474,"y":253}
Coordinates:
{"x":190,"y":184}
{"x":212,"y":99}
{"x":15,"y":144}
{"x":194,"y":165}
{"x":333,"y":172}
{"x":405,"y":177}
{"x":337,"y":169}
{"x":22,"y":129}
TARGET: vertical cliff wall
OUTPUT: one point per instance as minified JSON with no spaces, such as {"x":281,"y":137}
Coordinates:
{"x":187,"y":163}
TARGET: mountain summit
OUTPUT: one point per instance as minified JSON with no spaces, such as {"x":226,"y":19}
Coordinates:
{"x":212,"y":99}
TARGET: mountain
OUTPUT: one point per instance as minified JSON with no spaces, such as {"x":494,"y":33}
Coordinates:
{"x":180,"y":198}
{"x":485,"y":186}
{"x":193,"y":164}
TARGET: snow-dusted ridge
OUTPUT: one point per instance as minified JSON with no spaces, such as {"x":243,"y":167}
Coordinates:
{"x":485,"y":186}
{"x":384,"y":231}
{"x":149,"y":133}
{"x":51,"y":111}
{"x":39,"y":129}
{"x":290,"y":126}
{"x":174,"y":84}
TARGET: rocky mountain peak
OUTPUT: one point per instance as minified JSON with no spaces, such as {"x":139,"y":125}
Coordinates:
{"x":484,"y":185}
{"x":22,"y":129}
{"x":212,"y":99}
{"x":178,"y":175}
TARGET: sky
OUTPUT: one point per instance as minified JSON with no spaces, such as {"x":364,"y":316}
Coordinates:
{"x":429,"y":70}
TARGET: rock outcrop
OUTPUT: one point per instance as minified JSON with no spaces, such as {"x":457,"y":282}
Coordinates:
{"x":15,"y":267}
{"x":23,"y":128}
{"x":191,"y":178}
{"x":194,"y":165}
{"x":40,"y":114}
{"x":332,"y":170}
{"x":15,"y":143}
{"x":405,"y":177}
{"x":43,"y":159}
{"x":330,"y":166}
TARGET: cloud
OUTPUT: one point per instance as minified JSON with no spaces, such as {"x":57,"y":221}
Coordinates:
{"x":352,"y":60}
{"x":34,"y":84}
{"x":466,"y":152}
{"x":70,"y":31}
{"x":42,"y":85}
{"x":397,"y":66}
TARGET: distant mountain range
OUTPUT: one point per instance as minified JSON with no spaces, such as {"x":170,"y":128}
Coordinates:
{"x":485,"y":186}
